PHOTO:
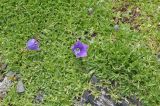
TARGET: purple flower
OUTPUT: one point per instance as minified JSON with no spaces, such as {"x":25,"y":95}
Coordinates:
{"x":33,"y":44}
{"x":80,"y":49}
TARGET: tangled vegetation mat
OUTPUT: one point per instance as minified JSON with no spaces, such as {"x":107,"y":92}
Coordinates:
{"x":79,"y":52}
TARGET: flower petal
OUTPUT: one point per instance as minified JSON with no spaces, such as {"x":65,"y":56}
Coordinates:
{"x":32,"y":44}
{"x":83,"y":49}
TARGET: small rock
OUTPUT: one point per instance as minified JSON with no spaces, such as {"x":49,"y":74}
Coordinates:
{"x":116,"y":27}
{"x":4,"y":86}
{"x":91,"y":99}
{"x":107,"y":96}
{"x":20,"y":87}
{"x":85,"y":96}
{"x":106,"y":101}
{"x":10,"y":74}
{"x":39,"y":98}
{"x":99,"y":103}
{"x":90,"y":11}
{"x":94,"y":79}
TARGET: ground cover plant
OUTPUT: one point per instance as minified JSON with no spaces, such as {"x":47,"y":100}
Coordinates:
{"x":123,"y":49}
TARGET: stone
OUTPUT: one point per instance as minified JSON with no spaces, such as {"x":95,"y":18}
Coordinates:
{"x":4,"y":86}
{"x":10,"y":74}
{"x":20,"y":87}
{"x":85,"y":95}
{"x":91,"y":99}
{"x":106,"y":101}
{"x":94,"y":79}
{"x":39,"y":98}
{"x":116,"y":27}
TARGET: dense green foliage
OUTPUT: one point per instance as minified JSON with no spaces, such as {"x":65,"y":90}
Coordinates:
{"x":126,"y":56}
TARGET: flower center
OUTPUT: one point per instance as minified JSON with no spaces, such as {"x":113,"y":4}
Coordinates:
{"x":77,"y":50}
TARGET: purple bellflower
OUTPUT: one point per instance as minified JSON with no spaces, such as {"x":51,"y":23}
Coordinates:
{"x":80,"y":49}
{"x":33,"y":44}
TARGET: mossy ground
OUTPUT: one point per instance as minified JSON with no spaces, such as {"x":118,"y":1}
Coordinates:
{"x":126,"y":56}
